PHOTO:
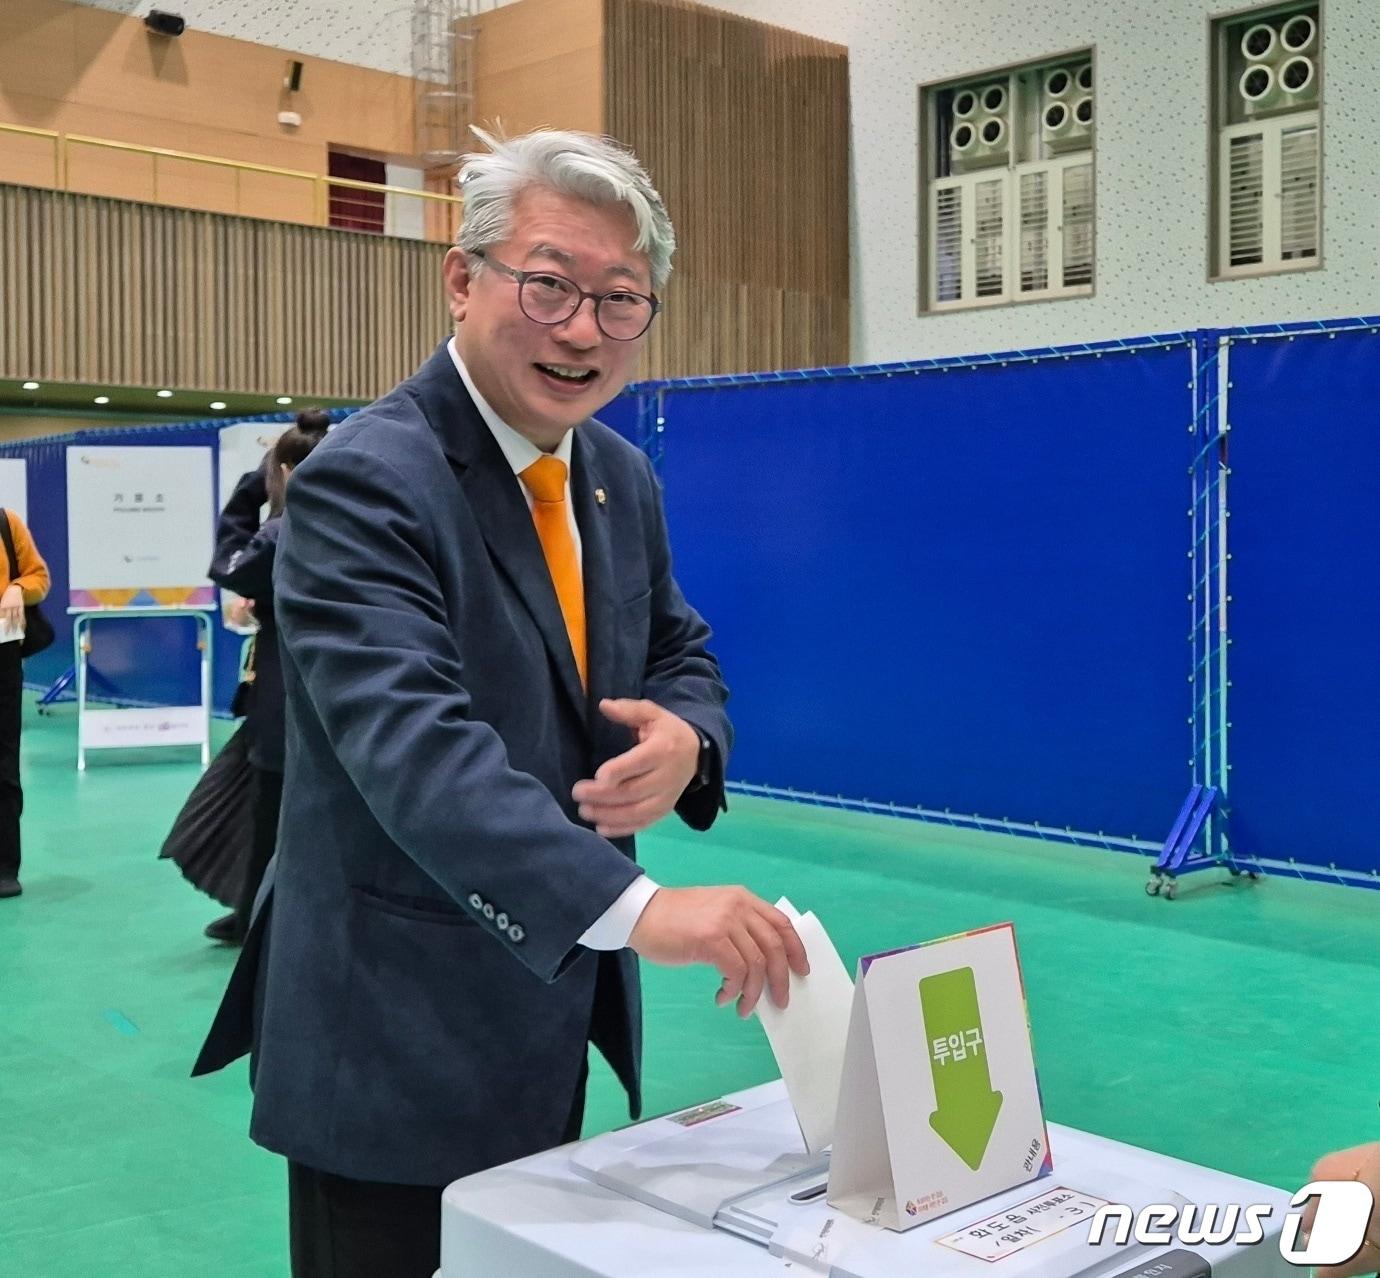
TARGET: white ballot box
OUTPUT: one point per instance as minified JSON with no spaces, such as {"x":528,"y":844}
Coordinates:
{"x":729,"y":1189}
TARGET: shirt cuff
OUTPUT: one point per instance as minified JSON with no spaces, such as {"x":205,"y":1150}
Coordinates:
{"x":611,"y":930}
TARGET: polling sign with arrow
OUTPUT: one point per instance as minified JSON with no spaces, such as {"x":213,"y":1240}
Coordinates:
{"x":966,"y":1106}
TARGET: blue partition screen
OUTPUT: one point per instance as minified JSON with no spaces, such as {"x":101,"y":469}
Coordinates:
{"x":958,"y":589}
{"x":964,"y":585}
{"x":1304,"y":617}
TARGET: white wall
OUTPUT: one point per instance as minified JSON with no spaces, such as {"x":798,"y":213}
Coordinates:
{"x":1152,"y":179}
{"x":403,"y":216}
{"x":1152,"y":175}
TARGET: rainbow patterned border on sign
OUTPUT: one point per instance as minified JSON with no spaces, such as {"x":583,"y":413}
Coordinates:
{"x":153,"y":597}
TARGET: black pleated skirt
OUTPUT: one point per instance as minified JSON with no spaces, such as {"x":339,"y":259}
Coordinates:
{"x":210,"y":839}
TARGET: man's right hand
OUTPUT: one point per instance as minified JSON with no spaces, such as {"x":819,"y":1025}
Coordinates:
{"x":751,"y":943}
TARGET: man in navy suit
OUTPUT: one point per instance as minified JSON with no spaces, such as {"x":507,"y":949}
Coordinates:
{"x":493,"y":683}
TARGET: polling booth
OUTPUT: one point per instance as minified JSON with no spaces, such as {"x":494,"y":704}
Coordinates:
{"x":125,"y":519}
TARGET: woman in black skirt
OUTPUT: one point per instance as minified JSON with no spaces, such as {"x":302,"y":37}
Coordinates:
{"x":249,"y":573}
{"x":223,"y":837}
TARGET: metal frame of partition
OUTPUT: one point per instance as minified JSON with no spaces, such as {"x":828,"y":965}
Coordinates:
{"x":82,"y":622}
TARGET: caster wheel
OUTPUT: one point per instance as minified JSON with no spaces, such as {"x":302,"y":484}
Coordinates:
{"x":1152,"y":888}
{"x":1171,"y":890}
{"x":1234,"y":872}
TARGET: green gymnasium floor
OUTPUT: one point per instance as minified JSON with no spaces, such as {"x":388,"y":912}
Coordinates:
{"x":1234,"y":1026}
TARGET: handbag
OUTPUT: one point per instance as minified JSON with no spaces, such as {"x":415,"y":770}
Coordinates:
{"x":38,"y":630}
{"x":242,"y":703}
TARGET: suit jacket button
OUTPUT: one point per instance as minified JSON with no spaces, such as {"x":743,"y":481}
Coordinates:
{"x":516,"y":934}
{"x":476,"y":900}
{"x":488,"y":911}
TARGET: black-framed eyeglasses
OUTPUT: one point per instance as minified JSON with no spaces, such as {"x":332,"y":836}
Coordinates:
{"x":548,"y":298}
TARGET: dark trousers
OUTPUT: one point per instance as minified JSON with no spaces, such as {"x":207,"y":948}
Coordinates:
{"x":266,"y":800}
{"x":343,"y":1228}
{"x":11,"y":792}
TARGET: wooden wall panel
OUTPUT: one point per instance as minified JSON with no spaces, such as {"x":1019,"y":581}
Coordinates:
{"x":28,"y":161}
{"x":745,"y":130}
{"x":124,"y":175}
{"x":279,"y":198}
{"x":189,"y":185}
{"x":124,"y":294}
{"x":76,"y":69}
{"x":540,"y":63}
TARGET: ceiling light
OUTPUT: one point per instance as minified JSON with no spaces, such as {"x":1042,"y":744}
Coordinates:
{"x":102,"y":399}
{"x":30,"y":385}
{"x":165,"y":394}
{"x":217,"y":403}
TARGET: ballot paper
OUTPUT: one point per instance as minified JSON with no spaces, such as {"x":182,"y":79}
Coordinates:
{"x":11,"y":634}
{"x":809,"y":1035}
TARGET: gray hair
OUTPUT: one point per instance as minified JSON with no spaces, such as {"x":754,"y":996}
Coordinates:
{"x":598,"y":170}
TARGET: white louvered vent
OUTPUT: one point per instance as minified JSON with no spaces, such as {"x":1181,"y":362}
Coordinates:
{"x":1270,"y":195}
{"x":1245,"y":211}
{"x":1078,"y":226}
{"x":1034,"y":231}
{"x":948,"y":244}
{"x":1298,"y":212}
{"x":989,"y":240}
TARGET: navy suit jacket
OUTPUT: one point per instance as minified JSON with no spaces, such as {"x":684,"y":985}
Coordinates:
{"x":248,"y":572}
{"x":423,"y":1004}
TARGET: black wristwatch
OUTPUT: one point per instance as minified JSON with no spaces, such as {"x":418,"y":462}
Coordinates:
{"x":705,"y":767}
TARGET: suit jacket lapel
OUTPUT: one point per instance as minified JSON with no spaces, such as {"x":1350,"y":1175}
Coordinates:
{"x":495,"y":496}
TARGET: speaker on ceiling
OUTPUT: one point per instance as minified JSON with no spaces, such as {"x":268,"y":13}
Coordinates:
{"x":160,"y":22}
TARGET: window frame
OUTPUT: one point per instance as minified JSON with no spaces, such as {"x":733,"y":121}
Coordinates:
{"x":1216,"y":241}
{"x":927,"y":115}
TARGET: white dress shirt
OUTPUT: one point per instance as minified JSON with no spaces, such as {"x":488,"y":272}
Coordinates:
{"x":610,"y":931}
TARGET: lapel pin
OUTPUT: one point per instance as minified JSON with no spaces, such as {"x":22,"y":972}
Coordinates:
{"x":601,"y":496}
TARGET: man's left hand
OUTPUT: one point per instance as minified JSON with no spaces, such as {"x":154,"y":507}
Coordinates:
{"x":636,"y":789}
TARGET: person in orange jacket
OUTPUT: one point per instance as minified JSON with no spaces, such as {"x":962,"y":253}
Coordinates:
{"x":24,"y":589}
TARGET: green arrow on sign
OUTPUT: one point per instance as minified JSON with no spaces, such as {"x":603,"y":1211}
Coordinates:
{"x":967,"y":1106}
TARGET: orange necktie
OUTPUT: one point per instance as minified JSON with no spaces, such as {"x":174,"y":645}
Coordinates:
{"x":545,"y":480}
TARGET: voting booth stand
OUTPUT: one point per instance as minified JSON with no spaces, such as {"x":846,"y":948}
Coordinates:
{"x":140,"y":523}
{"x":941,"y":1163}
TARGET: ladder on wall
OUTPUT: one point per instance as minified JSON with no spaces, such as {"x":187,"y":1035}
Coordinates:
{"x":443,"y":33}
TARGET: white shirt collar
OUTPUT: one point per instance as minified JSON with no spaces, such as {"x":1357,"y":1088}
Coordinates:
{"x":520,"y":451}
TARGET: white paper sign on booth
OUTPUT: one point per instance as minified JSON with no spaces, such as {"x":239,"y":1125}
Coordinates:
{"x":140,"y":726}
{"x":240,"y":449}
{"x":14,"y":486}
{"x":940,"y":1106}
{"x":140,"y":525}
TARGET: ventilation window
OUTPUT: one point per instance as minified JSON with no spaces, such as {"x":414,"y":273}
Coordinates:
{"x":1009,"y":186}
{"x":1267,"y":94}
